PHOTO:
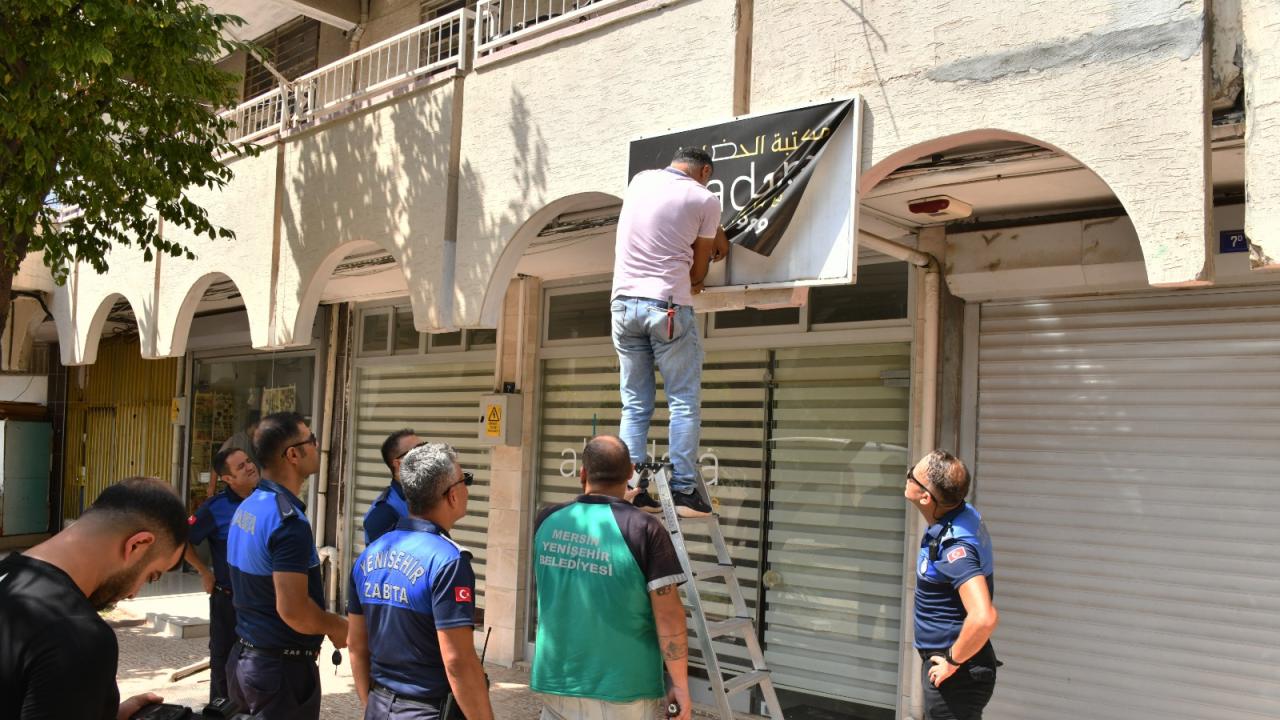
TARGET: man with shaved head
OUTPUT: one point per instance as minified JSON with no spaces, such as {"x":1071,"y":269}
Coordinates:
{"x":609,"y":613}
{"x":57,"y":655}
{"x":955,"y":582}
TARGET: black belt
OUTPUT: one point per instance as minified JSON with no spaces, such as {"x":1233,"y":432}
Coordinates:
{"x":433,"y":703}
{"x":287,"y":653}
{"x":942,"y":653}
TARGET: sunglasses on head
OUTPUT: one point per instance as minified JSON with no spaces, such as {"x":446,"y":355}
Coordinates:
{"x":406,"y":452}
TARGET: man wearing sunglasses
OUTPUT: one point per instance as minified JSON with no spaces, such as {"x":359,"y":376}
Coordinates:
{"x":411,"y":602}
{"x":390,"y":506}
{"x":276,"y":584}
{"x":955,"y":582}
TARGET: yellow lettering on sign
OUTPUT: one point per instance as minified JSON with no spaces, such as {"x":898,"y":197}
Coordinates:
{"x":493,"y":421}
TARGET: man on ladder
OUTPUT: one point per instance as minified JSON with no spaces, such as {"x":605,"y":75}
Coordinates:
{"x":668,"y":234}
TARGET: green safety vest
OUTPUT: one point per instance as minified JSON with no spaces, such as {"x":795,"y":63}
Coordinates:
{"x":596,"y":634}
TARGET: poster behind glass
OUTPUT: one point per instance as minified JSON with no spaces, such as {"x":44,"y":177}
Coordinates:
{"x":229,"y":397}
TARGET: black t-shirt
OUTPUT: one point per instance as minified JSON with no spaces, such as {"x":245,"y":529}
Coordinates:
{"x":57,"y":656}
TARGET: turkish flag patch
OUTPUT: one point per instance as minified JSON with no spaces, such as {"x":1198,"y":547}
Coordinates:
{"x":462,"y":594}
{"x":955,"y":554}
{"x":191,"y":520}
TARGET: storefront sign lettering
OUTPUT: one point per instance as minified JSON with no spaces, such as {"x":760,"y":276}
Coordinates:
{"x":709,"y":462}
{"x":762,"y":166}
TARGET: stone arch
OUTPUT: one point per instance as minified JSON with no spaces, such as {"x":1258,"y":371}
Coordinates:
{"x":177,"y":311}
{"x":504,"y":269}
{"x":311,"y":289}
{"x":1155,"y":247}
{"x":80,"y":334}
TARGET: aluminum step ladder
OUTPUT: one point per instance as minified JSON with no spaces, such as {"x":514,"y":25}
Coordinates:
{"x":740,"y":625}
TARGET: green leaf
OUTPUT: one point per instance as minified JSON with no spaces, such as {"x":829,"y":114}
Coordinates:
{"x":100,"y":55}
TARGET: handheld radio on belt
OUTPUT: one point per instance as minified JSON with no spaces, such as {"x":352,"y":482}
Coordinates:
{"x":450,"y":710}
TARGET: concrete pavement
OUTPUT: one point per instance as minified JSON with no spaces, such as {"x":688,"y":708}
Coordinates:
{"x":148,"y":656}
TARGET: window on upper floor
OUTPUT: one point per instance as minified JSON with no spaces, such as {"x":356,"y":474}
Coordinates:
{"x":442,"y":41}
{"x":389,"y":330}
{"x":432,"y":9}
{"x":293,"y":49}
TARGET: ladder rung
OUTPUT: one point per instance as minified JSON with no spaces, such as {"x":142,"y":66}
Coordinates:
{"x":713,"y":517}
{"x":709,"y":571}
{"x":744,"y":681}
{"x":720,"y":628}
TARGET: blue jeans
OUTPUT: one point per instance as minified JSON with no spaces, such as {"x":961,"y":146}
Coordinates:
{"x":640,"y":337}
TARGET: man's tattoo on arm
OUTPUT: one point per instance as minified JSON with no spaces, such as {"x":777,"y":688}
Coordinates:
{"x":665,"y":590}
{"x":674,"y":647}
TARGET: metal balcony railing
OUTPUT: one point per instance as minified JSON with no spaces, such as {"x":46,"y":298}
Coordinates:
{"x":260,"y":116}
{"x":440,"y":44}
{"x":506,"y":22}
{"x":437,"y":45}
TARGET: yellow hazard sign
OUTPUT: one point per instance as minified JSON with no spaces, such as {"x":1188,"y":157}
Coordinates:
{"x":493,"y":421}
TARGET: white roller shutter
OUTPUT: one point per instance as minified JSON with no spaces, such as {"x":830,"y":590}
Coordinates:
{"x":1128,"y":465}
{"x":580,"y":394}
{"x":441,"y":401}
{"x":838,"y":452}
{"x":830,"y":425}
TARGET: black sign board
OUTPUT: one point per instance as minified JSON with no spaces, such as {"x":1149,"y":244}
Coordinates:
{"x":762,"y":166}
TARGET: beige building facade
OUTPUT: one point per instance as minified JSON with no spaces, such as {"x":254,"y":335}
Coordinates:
{"x":431,"y":220}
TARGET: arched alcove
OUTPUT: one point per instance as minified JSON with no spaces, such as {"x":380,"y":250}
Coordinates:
{"x":525,"y":240}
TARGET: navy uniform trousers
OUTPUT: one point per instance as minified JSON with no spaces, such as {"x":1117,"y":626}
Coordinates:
{"x":271,"y":687}
{"x":222,"y":635}
{"x":387,"y":705}
{"x":963,"y":695}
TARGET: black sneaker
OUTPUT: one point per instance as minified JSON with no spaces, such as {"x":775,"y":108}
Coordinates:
{"x":645,"y":502}
{"x":690,"y":504}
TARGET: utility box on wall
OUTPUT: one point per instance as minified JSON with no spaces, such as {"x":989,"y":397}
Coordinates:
{"x":25,"y":449}
{"x":500,"y":419}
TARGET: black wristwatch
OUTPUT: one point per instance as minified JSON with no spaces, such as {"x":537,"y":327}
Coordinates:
{"x":950,"y":660}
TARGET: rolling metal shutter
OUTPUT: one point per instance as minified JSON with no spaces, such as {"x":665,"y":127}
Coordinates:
{"x":581,"y":395}
{"x":838,"y":452}
{"x":442,"y":403}
{"x":830,"y":423}
{"x":1127,"y":462}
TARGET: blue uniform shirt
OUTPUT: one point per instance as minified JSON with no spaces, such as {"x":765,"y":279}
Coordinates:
{"x":408,"y":584}
{"x":963,"y":552}
{"x":385,"y":512}
{"x":270,"y":533}
{"x":211,"y":522}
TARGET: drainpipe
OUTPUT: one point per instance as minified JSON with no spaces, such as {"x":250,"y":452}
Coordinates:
{"x":932,"y":319}
{"x":501,"y":345}
{"x":326,"y":441}
{"x":353,"y":42}
{"x":928,"y":395}
{"x":520,"y":335}
{"x":179,"y":431}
